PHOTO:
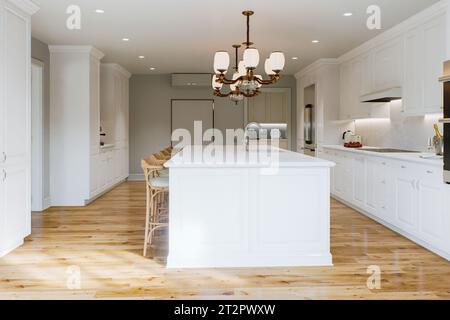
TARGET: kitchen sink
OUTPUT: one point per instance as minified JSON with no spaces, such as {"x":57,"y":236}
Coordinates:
{"x":387,"y":150}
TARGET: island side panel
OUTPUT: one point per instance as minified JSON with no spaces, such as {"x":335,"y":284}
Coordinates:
{"x":238,"y":217}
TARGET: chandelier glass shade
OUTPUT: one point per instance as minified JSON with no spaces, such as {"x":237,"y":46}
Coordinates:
{"x":244,"y":83}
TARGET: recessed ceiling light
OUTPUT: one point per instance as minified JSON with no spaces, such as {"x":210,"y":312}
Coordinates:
{"x":315,"y":41}
{"x":125,"y":39}
{"x":100,"y":11}
{"x":141,"y":57}
{"x":294,"y":58}
{"x":152,"y":68}
{"x":347,"y":14}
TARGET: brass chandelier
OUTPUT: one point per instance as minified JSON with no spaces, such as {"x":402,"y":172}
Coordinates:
{"x":244,"y":82}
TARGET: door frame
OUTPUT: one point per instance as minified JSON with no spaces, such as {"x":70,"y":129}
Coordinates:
{"x":288,"y":92}
{"x":37,"y":134}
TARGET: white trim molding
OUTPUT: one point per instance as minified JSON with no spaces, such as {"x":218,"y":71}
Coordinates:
{"x":25,"y":5}
{"x":77,"y":49}
{"x":119,"y":68}
{"x":316,"y":66}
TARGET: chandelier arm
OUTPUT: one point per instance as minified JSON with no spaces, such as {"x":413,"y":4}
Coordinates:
{"x":226,"y":81}
{"x":217,"y":93}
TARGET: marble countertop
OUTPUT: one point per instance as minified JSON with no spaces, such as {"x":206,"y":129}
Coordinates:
{"x":411,"y":157}
{"x":238,"y":157}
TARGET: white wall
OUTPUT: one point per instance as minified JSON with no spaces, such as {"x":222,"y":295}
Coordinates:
{"x":399,"y":131}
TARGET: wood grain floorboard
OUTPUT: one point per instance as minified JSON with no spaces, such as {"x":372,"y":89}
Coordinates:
{"x":104,"y":240}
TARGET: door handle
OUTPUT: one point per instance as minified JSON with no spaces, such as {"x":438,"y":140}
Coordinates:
{"x":445,"y":120}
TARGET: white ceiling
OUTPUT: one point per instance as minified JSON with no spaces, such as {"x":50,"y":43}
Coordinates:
{"x":182,"y":35}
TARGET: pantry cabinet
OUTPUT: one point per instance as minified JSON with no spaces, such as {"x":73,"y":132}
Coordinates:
{"x":406,"y":196}
{"x":15,"y":122}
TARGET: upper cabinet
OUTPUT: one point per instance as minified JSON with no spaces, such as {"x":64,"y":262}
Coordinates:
{"x":356,"y":80}
{"x":409,"y":56}
{"x":424,"y":54}
{"x":269,"y":107}
{"x":387,"y":66}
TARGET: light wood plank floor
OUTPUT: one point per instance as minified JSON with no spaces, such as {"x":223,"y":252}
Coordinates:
{"x":104,"y":240}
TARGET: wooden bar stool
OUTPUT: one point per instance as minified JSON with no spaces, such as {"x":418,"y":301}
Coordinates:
{"x":157,"y":198}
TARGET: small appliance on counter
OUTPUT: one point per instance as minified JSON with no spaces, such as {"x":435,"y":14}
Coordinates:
{"x":446,"y":121}
{"x":351,"y":140}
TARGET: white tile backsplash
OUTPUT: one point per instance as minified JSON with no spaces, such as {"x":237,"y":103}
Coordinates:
{"x":410,"y":133}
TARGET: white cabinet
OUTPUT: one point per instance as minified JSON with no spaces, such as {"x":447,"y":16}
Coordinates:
{"x":269,"y":107}
{"x":406,"y":196}
{"x":432,"y":210}
{"x":356,"y":81}
{"x":15,"y":123}
{"x":387,"y":65}
{"x":424,"y":54}
{"x":359,"y":180}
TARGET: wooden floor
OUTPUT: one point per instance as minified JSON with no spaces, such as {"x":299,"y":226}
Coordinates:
{"x":104,"y":242}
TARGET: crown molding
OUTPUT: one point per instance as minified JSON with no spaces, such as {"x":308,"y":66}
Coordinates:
{"x":77,"y":49}
{"x":118,"y":68}
{"x":316,"y":65}
{"x":27,"y":6}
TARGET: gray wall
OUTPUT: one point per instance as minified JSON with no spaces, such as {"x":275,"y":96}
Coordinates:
{"x":40,"y":51}
{"x":150,"y":97}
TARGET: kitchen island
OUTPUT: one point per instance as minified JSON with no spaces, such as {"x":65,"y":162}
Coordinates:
{"x":230,"y":207}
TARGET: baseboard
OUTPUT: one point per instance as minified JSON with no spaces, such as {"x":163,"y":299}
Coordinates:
{"x":5,"y":251}
{"x":401,"y":232}
{"x":136,"y":177}
{"x":47,"y":203}
{"x":101,"y":193}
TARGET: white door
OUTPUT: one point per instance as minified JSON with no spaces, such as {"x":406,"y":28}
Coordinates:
{"x":186,"y":112}
{"x":15,"y":125}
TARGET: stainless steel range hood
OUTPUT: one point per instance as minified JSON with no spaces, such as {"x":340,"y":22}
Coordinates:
{"x":384,"y":96}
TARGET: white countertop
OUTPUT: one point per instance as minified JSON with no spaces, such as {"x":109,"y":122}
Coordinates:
{"x":412,"y":157}
{"x":238,"y":157}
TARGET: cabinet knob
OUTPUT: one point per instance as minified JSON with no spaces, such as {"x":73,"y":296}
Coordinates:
{"x":430,"y":172}
{"x":4,"y":156}
{"x":403,"y":167}
{"x":4,"y":175}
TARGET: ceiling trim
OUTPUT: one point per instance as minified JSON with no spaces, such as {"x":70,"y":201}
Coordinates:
{"x":118,"y":68}
{"x":27,"y":6}
{"x":315,"y":66}
{"x":77,"y":49}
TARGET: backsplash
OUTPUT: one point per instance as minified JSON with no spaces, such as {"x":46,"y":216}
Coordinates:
{"x":402,"y":132}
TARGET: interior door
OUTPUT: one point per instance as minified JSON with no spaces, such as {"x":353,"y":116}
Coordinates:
{"x":15,"y":211}
{"x":186,"y":112}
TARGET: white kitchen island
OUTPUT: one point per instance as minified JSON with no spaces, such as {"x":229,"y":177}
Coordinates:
{"x":236,"y":208}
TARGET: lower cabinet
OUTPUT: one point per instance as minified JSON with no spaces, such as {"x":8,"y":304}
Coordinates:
{"x":411,"y":197}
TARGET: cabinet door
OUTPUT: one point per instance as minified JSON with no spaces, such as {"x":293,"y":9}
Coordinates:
{"x":433,"y":58}
{"x":405,"y":194}
{"x":413,"y":94}
{"x":387,"y":66}
{"x":338,"y":175}
{"x":347,"y":178}
{"x":433,"y":214}
{"x":345,"y":110}
{"x":359,"y":181}
{"x":257,"y":109}
{"x":15,"y":128}
{"x":277,"y":107}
